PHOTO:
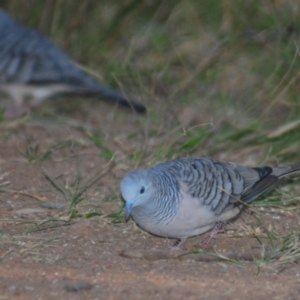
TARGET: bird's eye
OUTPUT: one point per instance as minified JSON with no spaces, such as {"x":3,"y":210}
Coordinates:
{"x":142,"y":190}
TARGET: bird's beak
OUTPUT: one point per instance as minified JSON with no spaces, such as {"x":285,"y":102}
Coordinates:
{"x":128,"y":208}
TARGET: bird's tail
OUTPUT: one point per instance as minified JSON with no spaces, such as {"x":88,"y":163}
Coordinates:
{"x":269,"y":177}
{"x":115,"y":96}
{"x":285,"y":170}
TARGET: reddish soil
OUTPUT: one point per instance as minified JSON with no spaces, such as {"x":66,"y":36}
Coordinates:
{"x":81,"y":260}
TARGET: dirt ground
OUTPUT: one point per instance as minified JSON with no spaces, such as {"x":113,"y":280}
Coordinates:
{"x":44,"y":257}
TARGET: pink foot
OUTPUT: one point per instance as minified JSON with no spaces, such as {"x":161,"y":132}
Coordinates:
{"x":213,"y":235}
{"x":178,"y":243}
{"x":14,"y":111}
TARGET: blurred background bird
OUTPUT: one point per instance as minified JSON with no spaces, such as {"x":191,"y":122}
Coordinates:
{"x":32,"y":69}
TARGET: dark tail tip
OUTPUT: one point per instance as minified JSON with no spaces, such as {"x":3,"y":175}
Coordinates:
{"x":137,"y":107}
{"x":121,"y":100}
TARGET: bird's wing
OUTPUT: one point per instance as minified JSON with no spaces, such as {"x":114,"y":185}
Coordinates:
{"x":218,"y":186}
{"x":28,"y":57}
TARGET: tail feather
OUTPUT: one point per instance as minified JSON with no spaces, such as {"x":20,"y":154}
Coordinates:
{"x":259,"y":188}
{"x":285,"y":170}
{"x":115,"y":96}
{"x":268,"y":179}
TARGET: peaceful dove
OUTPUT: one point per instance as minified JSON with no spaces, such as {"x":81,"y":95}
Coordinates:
{"x":32,"y":66}
{"x":187,"y":197}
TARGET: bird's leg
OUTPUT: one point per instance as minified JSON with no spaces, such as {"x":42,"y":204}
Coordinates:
{"x":14,"y":111}
{"x":178,"y":243}
{"x":213,"y":235}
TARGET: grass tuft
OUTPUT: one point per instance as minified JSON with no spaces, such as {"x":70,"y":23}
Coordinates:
{"x":74,"y":193}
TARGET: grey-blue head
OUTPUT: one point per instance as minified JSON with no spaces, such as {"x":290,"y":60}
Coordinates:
{"x":136,"y":190}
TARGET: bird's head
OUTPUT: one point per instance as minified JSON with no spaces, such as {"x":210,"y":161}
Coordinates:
{"x":136,"y":190}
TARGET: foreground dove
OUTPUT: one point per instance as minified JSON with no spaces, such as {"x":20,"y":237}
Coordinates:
{"x":32,"y":66}
{"x":187,"y":197}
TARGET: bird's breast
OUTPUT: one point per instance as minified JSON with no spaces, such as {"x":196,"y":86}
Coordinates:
{"x":191,"y":218}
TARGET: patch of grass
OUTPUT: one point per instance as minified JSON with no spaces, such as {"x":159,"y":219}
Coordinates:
{"x":243,"y":133}
{"x":282,"y":253}
{"x":74,"y":193}
{"x":25,"y":244}
{"x":105,"y":151}
{"x":33,"y":153}
{"x":118,"y":216}
{"x":284,"y":199}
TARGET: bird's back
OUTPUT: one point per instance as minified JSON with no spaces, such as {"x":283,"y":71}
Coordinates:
{"x":218,"y":186}
{"x":28,"y":57}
